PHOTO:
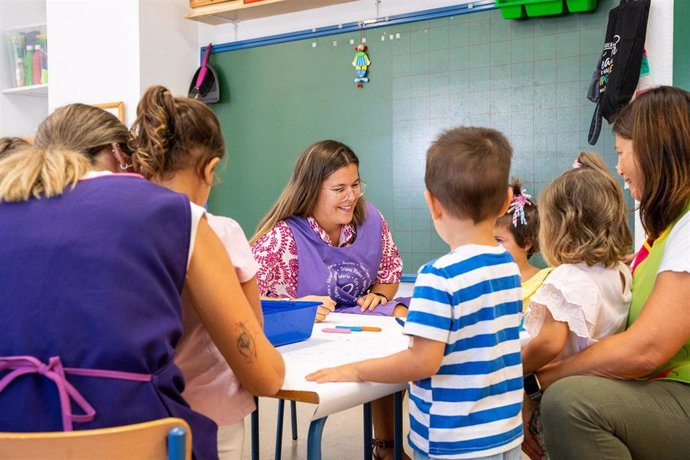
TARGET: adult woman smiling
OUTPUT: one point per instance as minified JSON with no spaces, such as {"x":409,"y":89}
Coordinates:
{"x":321,"y":241}
{"x":635,"y":400}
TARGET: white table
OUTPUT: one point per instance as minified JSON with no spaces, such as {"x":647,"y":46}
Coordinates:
{"x":325,"y":349}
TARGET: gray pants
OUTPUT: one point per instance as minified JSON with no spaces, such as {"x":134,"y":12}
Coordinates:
{"x":597,"y":418}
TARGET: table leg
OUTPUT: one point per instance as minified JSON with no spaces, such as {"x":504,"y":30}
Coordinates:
{"x":255,"y":430}
{"x":314,"y":439}
{"x":293,"y":419}
{"x":397,"y":426}
{"x":366,"y":429}
{"x":279,"y":429}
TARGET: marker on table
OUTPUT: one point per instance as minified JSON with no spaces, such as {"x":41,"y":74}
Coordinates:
{"x":360,"y":328}
{"x":400,"y":321}
{"x":336,"y":331}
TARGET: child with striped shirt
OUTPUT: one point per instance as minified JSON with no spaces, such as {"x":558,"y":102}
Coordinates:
{"x":463,"y":363}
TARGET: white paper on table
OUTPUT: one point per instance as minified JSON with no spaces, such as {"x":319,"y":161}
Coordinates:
{"x":328,"y":349}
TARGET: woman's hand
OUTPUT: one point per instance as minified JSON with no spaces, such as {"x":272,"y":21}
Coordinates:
{"x":327,"y":306}
{"x":345,"y":373}
{"x":371,"y":300}
{"x":530,"y":445}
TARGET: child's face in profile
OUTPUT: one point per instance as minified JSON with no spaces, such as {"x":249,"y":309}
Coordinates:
{"x":505,"y":238}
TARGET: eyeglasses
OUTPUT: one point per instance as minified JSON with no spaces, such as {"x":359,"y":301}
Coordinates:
{"x":343,"y":193}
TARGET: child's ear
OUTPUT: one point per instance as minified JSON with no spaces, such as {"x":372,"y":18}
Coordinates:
{"x":506,"y":203}
{"x":435,"y":208}
{"x":528,"y":245}
{"x":210,"y":169}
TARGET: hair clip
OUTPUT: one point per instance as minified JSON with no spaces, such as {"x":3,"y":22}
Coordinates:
{"x":517,"y":207}
{"x":577,"y":164}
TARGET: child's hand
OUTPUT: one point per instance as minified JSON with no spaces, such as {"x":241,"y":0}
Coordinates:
{"x":327,"y":306}
{"x":345,"y":373}
{"x":370,"y":301}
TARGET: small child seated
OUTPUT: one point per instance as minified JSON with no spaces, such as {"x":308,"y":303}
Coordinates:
{"x":584,"y":234}
{"x":518,"y":231}
{"x":463,"y":363}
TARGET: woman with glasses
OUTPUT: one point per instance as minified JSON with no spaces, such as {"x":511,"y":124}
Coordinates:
{"x":321,"y":241}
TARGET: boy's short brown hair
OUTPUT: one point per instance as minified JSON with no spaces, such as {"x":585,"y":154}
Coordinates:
{"x":467,"y":170}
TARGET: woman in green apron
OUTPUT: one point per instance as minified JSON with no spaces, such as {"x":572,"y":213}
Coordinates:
{"x":628,"y":396}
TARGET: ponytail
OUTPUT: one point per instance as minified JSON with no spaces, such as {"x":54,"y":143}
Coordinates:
{"x":40,"y":173}
{"x":173,"y":133}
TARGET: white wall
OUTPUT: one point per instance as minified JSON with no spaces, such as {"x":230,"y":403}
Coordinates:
{"x":168,"y":44}
{"x":112,"y":50}
{"x":94,"y":52}
{"x":660,"y":53}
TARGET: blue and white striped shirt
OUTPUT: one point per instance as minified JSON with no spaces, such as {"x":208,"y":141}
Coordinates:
{"x":470,"y":299}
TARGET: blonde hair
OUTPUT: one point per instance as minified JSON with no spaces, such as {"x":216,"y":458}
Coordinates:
{"x":10,"y":145}
{"x":39,"y":173}
{"x":314,"y":165}
{"x":82,"y":128}
{"x":467,"y":170}
{"x":584,"y":217}
{"x":173,"y":133}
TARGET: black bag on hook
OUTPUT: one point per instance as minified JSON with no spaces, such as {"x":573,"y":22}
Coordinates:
{"x":618,"y":68}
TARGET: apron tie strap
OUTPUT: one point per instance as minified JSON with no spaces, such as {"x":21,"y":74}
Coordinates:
{"x":54,"y":370}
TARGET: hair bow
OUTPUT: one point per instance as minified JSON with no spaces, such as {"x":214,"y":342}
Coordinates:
{"x":517,"y":207}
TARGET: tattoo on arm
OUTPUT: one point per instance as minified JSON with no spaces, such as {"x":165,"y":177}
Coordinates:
{"x":245,"y":343}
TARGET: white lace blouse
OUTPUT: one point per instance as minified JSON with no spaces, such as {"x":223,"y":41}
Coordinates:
{"x":593,"y":301}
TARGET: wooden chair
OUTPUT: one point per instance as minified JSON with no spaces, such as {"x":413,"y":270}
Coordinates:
{"x":168,"y":438}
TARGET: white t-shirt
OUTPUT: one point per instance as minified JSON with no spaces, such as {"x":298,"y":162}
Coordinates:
{"x":591,"y":300}
{"x":676,"y":256}
{"x":211,"y":387}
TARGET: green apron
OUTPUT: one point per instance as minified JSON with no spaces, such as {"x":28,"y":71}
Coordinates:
{"x":644,"y":278}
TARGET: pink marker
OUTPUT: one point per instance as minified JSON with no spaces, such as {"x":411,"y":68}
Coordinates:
{"x":336,"y":331}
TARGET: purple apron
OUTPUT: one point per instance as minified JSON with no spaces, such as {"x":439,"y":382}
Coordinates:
{"x":343,"y":274}
{"x":90,"y":309}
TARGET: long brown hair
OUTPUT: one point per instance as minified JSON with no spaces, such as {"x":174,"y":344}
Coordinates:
{"x":658,"y":123}
{"x":82,"y":128}
{"x":313,"y":166}
{"x":583,"y":216}
{"x":173,"y":133}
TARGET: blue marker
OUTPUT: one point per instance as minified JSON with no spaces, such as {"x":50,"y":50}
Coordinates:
{"x":400,"y":321}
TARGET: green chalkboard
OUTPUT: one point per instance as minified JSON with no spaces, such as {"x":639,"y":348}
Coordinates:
{"x":287,"y":96}
{"x":526,"y":78}
{"x":681,"y":44}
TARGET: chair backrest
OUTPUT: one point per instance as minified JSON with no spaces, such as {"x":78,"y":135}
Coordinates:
{"x":168,"y":438}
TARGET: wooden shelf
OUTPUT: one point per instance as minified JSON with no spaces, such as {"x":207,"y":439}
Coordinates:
{"x":237,"y":10}
{"x":33,"y":90}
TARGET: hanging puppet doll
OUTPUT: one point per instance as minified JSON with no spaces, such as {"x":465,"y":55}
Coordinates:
{"x":361,"y":63}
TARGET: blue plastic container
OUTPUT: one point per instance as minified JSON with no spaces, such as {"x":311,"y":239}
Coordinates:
{"x":287,"y":321}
